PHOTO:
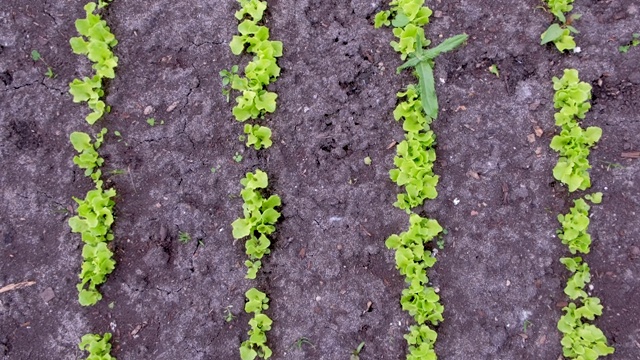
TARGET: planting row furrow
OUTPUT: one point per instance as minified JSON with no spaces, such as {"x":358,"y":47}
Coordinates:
{"x":580,"y":340}
{"x":95,"y":215}
{"x":413,"y":170}
{"x":254,"y":101}
{"x":259,"y":213}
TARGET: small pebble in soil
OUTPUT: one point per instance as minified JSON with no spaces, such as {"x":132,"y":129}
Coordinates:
{"x":318,"y":298}
{"x":456,"y":201}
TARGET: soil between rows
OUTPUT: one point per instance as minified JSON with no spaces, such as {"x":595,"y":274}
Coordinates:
{"x":498,"y":270}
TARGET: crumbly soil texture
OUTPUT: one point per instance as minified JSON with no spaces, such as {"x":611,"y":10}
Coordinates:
{"x":331,"y":281}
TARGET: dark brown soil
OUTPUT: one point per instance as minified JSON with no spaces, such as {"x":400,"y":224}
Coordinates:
{"x":498,"y":270}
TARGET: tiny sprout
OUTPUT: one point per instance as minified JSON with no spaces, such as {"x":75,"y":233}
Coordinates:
{"x":494,"y":70}
{"x":184,"y":237}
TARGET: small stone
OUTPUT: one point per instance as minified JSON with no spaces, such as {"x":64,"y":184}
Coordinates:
{"x":173,"y":105}
{"x":437,"y":14}
{"x":534,"y":105}
{"x":508,"y":283}
{"x":318,"y":298}
{"x":474,"y":213}
{"x":47,"y":295}
{"x":635,"y":251}
{"x":148,"y":110}
{"x":531,"y":138}
{"x":538,"y":131}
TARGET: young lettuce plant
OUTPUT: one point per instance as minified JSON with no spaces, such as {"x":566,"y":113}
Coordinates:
{"x":414,"y":168}
{"x":98,"y":346}
{"x":94,"y":219}
{"x":256,"y":345}
{"x":255,"y":100}
{"x":88,"y":159}
{"x":561,"y":34}
{"x":416,"y":154}
{"x":422,"y":302}
{"x":573,"y":142}
{"x":580,"y":340}
{"x":93,"y":222}
{"x":258,"y":222}
{"x":96,"y":42}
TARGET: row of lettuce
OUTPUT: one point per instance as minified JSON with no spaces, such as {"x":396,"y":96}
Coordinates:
{"x":580,"y":339}
{"x":414,"y":161}
{"x":259,"y":212}
{"x":95,"y":213}
{"x":413,"y":170}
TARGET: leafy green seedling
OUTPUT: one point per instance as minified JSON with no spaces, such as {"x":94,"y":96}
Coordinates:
{"x":367,"y":160}
{"x":95,"y":41}
{"x":573,"y":143}
{"x":227,"y":78}
{"x":35,"y":56}
{"x":237,"y":157}
{"x":412,"y":260}
{"x":635,"y":41}
{"x":256,"y":345}
{"x":260,"y":216}
{"x":440,"y":244}
{"x":300,"y":342}
{"x":580,"y":340}
{"x":151,"y":121}
{"x":228,"y":317}
{"x":525,"y":326}
{"x":494,"y":70}
{"x":111,"y":305}
{"x":421,"y":340}
{"x":88,"y":159}
{"x":93,"y":222}
{"x":258,"y":136}
{"x":355,"y":354}
{"x":184,"y":237}
{"x":98,"y":346}
{"x":561,"y":34}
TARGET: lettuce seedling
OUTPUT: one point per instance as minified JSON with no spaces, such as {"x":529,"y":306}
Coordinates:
{"x":623,"y":49}
{"x":93,"y":222}
{"x":255,"y":100}
{"x":88,"y":159}
{"x":96,"y":42}
{"x":420,"y":300}
{"x":573,"y":142}
{"x":256,"y":345}
{"x":256,"y":301}
{"x":561,"y":34}
{"x":98,"y":346}
{"x":258,"y":136}
{"x":421,"y":340}
{"x":259,"y":218}
{"x":580,"y":340}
